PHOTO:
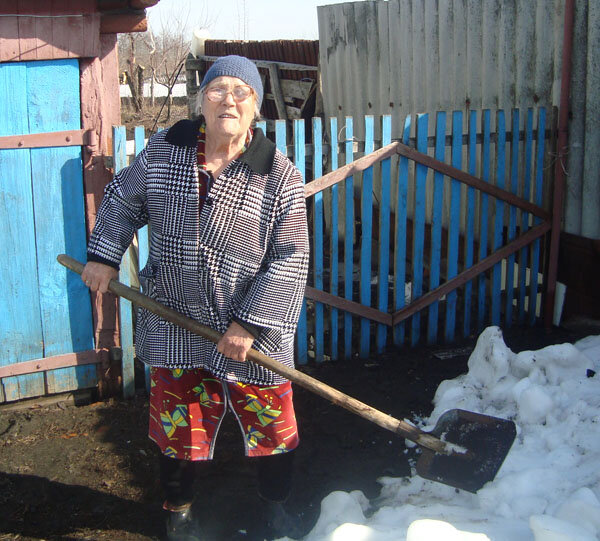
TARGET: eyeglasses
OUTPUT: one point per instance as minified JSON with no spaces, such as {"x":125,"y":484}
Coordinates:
{"x":219,"y":93}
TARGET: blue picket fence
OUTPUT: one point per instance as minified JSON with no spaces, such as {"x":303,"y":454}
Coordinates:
{"x":402,"y":236}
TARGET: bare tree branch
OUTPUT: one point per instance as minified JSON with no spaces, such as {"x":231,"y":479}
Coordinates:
{"x":155,"y":56}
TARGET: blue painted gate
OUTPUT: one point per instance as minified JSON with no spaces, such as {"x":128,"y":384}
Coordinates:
{"x":44,"y":310}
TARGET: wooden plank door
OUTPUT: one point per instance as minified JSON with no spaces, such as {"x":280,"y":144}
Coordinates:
{"x":44,"y":311}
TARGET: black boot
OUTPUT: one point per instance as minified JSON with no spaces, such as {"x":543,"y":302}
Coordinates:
{"x":280,"y":522}
{"x":274,"y":487}
{"x":182,"y":526}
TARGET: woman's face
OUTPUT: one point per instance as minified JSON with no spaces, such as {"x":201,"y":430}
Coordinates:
{"x":226,"y":117}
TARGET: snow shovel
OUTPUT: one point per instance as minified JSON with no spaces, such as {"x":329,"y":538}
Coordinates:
{"x":465,"y":449}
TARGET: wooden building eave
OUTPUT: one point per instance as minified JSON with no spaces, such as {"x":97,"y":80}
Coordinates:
{"x":123,"y":23}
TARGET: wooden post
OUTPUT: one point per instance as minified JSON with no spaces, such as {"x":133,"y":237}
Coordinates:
{"x":559,"y":168}
{"x":276,"y":90}
{"x":99,"y":111}
{"x":125,"y":308}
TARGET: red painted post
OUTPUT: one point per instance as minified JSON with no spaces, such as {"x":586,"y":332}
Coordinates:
{"x":560,"y":166}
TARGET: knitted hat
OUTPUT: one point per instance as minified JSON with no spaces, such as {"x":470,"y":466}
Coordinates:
{"x":236,"y":66}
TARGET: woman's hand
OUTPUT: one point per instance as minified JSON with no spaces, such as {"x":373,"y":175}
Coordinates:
{"x":235,"y":343}
{"x":97,"y":276}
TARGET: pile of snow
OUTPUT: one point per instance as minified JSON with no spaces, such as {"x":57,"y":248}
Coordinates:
{"x":548,"y":488}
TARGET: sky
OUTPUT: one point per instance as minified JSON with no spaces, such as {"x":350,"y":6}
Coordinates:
{"x":548,"y":488}
{"x":244,"y":19}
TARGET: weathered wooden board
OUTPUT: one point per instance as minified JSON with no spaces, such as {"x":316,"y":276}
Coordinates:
{"x":300,"y":163}
{"x":366,"y":217}
{"x":51,"y":304}
{"x":20,"y":329}
{"x":295,"y":89}
{"x":57,"y":179}
{"x":318,"y":224}
{"x":31,"y":30}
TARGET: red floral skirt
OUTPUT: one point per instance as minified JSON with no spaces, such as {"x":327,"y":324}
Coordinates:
{"x":188,"y":406}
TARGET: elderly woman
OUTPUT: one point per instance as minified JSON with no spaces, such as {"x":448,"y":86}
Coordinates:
{"x":229,"y":248}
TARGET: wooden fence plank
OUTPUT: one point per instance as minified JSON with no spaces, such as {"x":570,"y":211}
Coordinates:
{"x":470,"y":221}
{"x":454,"y":224}
{"x":143,"y":234}
{"x":21,"y":336}
{"x":281,"y":135}
{"x":483,"y":226}
{"x":400,"y":236}
{"x":418,"y":247}
{"x":93,"y":356}
{"x":384,"y":232}
{"x":469,"y":180}
{"x":498,"y":216}
{"x":523,"y":257}
{"x":539,"y":183}
{"x":366,"y":237}
{"x":465,"y":276}
{"x":57,"y":175}
{"x":351,"y":307}
{"x":59,"y":214}
{"x":334,"y":239}
{"x":436,"y":226}
{"x":354,"y":167}
{"x":300,"y":162}
{"x":317,"y":129}
{"x":125,"y":308}
{"x":512,"y":220}
{"x":348,"y":237}
{"x":276,"y":91}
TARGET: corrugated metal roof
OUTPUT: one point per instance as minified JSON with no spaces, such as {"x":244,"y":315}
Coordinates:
{"x":292,"y":51}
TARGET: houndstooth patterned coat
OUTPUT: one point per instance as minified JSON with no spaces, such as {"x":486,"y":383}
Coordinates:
{"x":243,"y":256}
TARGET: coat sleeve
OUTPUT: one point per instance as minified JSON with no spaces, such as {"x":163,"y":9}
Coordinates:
{"x":274,"y":298}
{"x":122,"y":211}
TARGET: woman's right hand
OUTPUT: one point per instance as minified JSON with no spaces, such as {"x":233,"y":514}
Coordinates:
{"x":97,"y":276}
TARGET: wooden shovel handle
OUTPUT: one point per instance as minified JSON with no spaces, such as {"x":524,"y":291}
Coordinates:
{"x":314,"y":385}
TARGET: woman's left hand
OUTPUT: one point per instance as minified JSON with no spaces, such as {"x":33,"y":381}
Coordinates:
{"x":235,"y":343}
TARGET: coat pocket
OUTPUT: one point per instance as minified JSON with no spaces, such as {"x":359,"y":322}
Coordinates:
{"x":247,"y":241}
{"x":146,"y":320}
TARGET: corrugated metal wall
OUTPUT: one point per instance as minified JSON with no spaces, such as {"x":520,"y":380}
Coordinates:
{"x":403,"y":57}
{"x":582,"y":209}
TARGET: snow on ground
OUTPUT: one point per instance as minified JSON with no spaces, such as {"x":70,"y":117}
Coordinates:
{"x":548,"y":488}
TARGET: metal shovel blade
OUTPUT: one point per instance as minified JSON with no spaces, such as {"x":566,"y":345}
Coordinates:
{"x":486,"y":439}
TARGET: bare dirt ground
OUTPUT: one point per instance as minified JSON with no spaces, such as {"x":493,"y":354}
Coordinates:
{"x":89,"y":472}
